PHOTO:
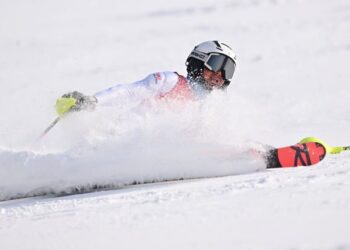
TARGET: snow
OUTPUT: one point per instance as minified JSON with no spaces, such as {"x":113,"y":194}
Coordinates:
{"x":291,"y":82}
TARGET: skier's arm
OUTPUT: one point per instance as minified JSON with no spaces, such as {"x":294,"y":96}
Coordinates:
{"x":153,"y":85}
{"x":149,"y":87}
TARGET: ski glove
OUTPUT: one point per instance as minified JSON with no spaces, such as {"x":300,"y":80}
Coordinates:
{"x":75,"y":101}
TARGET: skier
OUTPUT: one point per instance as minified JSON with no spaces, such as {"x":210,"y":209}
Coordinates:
{"x":210,"y":66}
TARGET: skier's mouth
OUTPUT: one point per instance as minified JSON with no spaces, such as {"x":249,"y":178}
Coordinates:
{"x":214,"y":83}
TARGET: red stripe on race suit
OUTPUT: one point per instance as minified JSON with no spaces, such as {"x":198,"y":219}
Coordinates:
{"x":182,"y":91}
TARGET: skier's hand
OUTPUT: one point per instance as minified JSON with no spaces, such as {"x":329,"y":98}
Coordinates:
{"x":75,"y":101}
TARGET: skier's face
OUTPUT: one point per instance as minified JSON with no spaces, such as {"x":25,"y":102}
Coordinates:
{"x":213,"y":79}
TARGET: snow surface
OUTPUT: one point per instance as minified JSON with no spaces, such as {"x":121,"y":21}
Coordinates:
{"x":292,"y":81}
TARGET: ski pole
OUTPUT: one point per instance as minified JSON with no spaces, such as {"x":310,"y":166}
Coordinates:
{"x":63,"y":106}
{"x":52,"y":124}
{"x":338,"y":150}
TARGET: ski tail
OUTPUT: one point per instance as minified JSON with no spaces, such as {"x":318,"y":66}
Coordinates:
{"x":302,"y":154}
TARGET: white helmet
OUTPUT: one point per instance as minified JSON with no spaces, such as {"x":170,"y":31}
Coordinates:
{"x":215,"y":56}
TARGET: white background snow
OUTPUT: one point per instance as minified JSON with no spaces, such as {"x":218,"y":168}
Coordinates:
{"x":292,"y":81}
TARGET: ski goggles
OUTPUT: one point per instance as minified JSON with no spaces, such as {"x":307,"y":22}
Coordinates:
{"x":217,"y":62}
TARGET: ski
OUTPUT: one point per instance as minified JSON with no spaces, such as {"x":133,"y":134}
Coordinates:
{"x":301,"y":154}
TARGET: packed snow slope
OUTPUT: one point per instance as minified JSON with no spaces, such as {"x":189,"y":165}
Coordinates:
{"x":291,"y":82}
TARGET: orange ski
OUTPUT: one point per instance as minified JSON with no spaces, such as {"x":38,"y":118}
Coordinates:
{"x":305,"y":154}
